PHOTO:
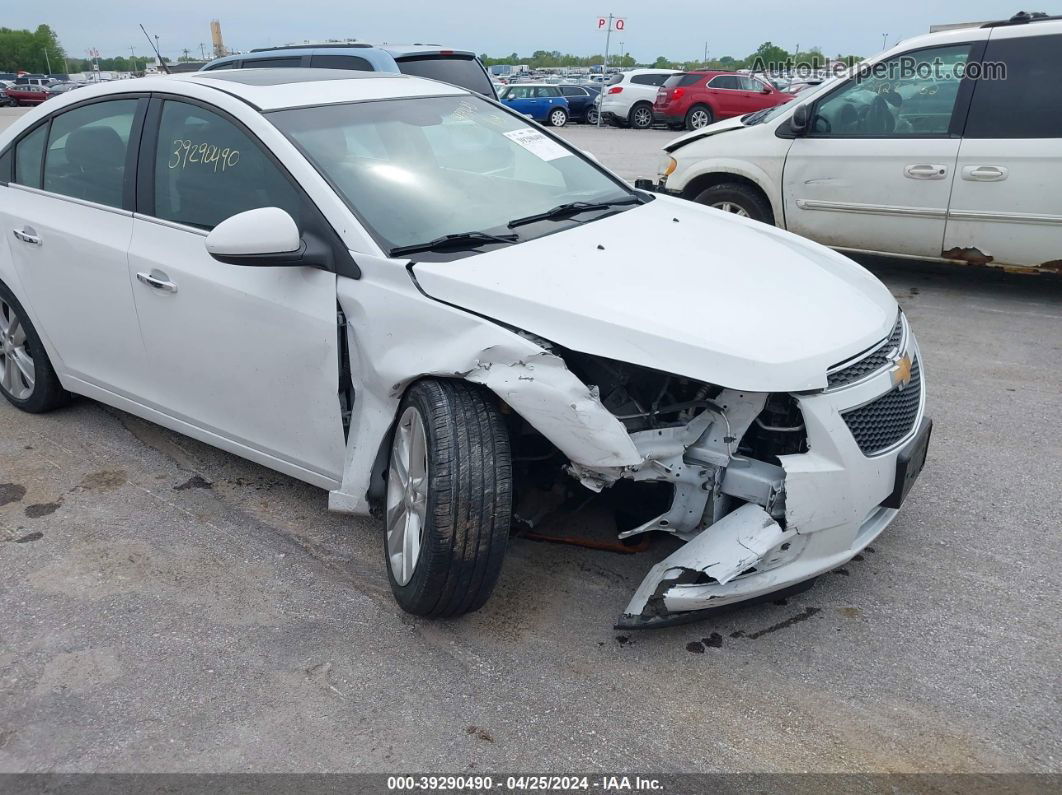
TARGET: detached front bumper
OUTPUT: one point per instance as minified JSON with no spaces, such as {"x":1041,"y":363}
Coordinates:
{"x":837,"y":501}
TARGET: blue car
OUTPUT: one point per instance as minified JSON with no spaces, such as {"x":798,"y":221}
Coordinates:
{"x":541,"y":102}
{"x":582,"y":102}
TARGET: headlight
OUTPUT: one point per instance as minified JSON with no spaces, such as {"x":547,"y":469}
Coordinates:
{"x":667,"y":165}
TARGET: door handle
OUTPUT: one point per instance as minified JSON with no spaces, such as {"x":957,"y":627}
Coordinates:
{"x":27,"y":234}
{"x":984,"y":173}
{"x":160,"y":282}
{"x":925,"y":171}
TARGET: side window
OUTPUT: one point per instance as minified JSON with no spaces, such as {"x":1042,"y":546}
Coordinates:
{"x":725,"y":81}
{"x":226,"y":65}
{"x":341,"y":62}
{"x":1028,"y":103}
{"x":6,"y":160}
{"x":87,"y":150}
{"x":207,"y":169}
{"x":650,"y":80}
{"x":28,"y":154}
{"x":519,"y":92}
{"x":272,"y":63}
{"x":908,"y":95}
{"x":752,"y":84}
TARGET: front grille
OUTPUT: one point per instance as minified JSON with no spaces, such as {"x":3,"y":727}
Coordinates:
{"x":883,"y":422}
{"x":873,"y":362}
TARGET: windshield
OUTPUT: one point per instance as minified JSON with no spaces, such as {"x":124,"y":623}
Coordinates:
{"x":421,"y":168}
{"x":770,"y":114}
{"x":458,"y":70}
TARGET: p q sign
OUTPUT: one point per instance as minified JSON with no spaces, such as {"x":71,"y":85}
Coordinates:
{"x":618,"y":23}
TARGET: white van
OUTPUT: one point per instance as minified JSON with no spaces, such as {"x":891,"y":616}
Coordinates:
{"x":947,"y":147}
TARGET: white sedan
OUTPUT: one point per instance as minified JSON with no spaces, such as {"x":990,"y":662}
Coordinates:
{"x":410,"y":296}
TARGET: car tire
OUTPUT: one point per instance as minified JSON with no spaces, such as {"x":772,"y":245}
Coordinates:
{"x":21,"y":351}
{"x":451,"y":431}
{"x":640,"y":116}
{"x":557,"y":117}
{"x":739,"y":199}
{"x":699,"y":116}
{"x":591,"y":116}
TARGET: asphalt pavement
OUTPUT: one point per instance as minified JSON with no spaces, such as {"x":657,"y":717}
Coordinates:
{"x":170,"y":607}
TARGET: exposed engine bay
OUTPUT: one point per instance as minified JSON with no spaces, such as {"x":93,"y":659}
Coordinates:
{"x":709,"y":459}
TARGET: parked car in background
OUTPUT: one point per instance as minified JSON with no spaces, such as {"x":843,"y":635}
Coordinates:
{"x":804,"y":84}
{"x":61,"y":88}
{"x":582,"y":101}
{"x":457,"y":67}
{"x":627,"y":99}
{"x":540,"y":101}
{"x":26,"y":94}
{"x":918,"y":166}
{"x":696,"y":99}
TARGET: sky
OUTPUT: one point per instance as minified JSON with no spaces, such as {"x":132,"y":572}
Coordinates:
{"x":677,"y":29}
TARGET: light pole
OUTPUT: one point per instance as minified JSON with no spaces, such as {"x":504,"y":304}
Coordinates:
{"x":884,"y":38}
{"x":47,"y":61}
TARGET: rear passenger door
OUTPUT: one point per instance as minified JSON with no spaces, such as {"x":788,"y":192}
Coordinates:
{"x":1006,"y":202}
{"x":242,"y":357}
{"x":726,"y":95}
{"x":67,"y":217}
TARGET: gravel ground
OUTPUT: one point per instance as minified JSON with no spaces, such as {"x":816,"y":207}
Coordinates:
{"x":166,"y":606}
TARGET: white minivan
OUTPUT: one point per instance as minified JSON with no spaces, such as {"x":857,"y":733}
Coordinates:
{"x":947,"y":147}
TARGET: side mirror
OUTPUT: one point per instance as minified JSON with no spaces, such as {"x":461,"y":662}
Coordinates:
{"x":266,"y":237}
{"x":766,"y":90}
{"x":800,"y":120}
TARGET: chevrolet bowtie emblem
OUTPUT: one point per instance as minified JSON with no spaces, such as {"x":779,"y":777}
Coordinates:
{"x":901,"y":371}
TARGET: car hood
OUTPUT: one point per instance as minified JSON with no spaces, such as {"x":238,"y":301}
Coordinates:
{"x":726,"y":125}
{"x":681,"y":288}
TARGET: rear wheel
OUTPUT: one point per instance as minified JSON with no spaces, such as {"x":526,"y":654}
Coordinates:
{"x":732,"y":197}
{"x":558,"y":117}
{"x":641,"y":116}
{"x":591,"y":116}
{"x":27,"y":378}
{"x":449,"y":499}
{"x":699,"y":116}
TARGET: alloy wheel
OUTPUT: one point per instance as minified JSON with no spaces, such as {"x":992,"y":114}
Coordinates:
{"x":731,"y":207}
{"x":16,"y":365}
{"x":643,"y":117}
{"x":557,"y":118}
{"x":698,"y":119}
{"x":407,"y":495}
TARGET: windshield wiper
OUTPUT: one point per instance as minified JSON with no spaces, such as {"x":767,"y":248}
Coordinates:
{"x":457,"y":240}
{"x":571,"y":208}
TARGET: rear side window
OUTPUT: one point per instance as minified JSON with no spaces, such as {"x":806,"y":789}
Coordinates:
{"x":28,"y":155}
{"x":456,"y":70}
{"x":649,"y":80}
{"x":573,"y":91}
{"x":207,"y":169}
{"x":680,"y":81}
{"x":226,"y":65}
{"x":725,"y":81}
{"x":273,"y":63}
{"x":1028,"y":103}
{"x":87,"y":150}
{"x":352,"y":62}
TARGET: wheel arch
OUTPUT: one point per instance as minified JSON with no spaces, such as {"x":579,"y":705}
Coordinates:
{"x":713,"y":176}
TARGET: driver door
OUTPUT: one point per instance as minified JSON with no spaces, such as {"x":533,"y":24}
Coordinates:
{"x":875,"y":169}
{"x":242,"y":357}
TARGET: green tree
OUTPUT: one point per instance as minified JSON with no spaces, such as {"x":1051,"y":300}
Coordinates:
{"x":661,"y":63}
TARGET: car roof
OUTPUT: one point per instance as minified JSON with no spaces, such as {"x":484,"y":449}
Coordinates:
{"x":381,"y":60}
{"x":275,"y":89}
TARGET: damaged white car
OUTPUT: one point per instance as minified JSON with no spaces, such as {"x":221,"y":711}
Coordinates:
{"x":405,"y":294}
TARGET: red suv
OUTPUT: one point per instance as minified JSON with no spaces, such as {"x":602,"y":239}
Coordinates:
{"x":696,"y":99}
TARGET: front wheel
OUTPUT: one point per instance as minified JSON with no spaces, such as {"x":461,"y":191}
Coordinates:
{"x":558,"y":117}
{"x":732,"y":197}
{"x":27,"y":378}
{"x":449,"y":499}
